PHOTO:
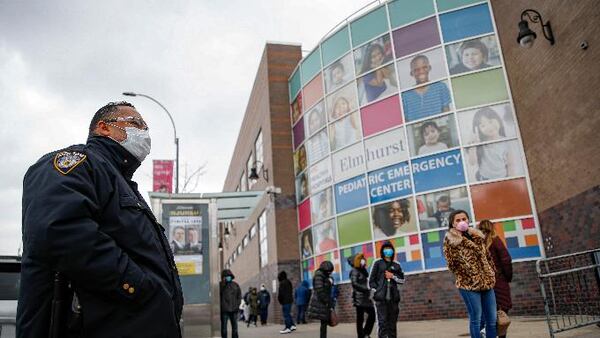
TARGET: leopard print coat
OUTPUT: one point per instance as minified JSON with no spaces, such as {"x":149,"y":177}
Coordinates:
{"x":469,"y":261}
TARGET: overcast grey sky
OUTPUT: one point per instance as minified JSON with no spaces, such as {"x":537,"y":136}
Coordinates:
{"x":62,"y":60}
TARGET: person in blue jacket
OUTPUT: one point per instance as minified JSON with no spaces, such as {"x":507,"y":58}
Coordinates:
{"x":301,"y":297}
{"x":84,"y":218}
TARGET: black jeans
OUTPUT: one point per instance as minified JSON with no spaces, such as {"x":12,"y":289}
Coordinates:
{"x":300,"y":314}
{"x":264,"y":313}
{"x":323,"y":329}
{"x":387,"y":316}
{"x":231,"y":316}
{"x":362,"y":331}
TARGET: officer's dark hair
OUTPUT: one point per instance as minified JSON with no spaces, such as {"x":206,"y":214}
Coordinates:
{"x":106,"y":112}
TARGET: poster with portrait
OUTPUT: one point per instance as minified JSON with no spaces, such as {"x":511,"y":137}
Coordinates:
{"x":185,"y":228}
{"x":425,"y":101}
{"x":300,"y":160}
{"x":422,"y":68}
{"x":315,"y":118}
{"x":306,"y":243}
{"x":325,"y":237}
{"x":394,"y":218}
{"x":373,"y":54}
{"x":435,"y":208}
{"x":494,"y":161}
{"x":486,"y":124}
{"x":342,"y":102}
{"x":377,"y":84}
{"x":318,"y":146}
{"x":302,"y":186}
{"x":339,"y":73}
{"x":296,"y":108}
{"x":471,"y":55}
{"x":345,"y":131}
{"x":432,"y":136}
{"x":321,"y":206}
{"x":320,"y":175}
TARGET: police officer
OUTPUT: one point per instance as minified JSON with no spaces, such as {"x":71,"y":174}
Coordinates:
{"x":84,"y":217}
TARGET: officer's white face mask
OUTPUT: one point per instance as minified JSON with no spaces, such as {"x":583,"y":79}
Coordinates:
{"x":137,"y":143}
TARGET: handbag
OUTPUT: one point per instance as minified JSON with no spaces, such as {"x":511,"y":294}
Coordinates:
{"x":502,"y":323}
{"x":333,"y":318}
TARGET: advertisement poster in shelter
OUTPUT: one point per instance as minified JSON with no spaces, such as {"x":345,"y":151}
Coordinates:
{"x":187,"y":229}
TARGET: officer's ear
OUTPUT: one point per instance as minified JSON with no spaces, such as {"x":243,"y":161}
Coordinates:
{"x":102,"y":129}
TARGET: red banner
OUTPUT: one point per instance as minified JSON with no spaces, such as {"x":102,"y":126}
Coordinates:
{"x":162,"y":173}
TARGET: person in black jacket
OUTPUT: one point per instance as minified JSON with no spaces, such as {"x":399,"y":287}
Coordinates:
{"x":231,"y":297}
{"x":84,"y":218}
{"x":361,"y":295}
{"x":286,"y":299}
{"x":385,"y":276}
{"x":321,"y":303}
{"x":264,"y":299}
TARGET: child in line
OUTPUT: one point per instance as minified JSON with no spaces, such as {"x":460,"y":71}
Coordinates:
{"x":430,"y":134}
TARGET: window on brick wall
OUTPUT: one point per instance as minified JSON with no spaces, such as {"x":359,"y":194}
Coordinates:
{"x":249,"y":168}
{"x":245,"y":241}
{"x":243,"y":182}
{"x":262,"y":232}
{"x":258,"y":147}
{"x":253,"y":231}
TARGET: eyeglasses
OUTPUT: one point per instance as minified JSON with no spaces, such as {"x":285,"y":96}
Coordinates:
{"x":135,"y":121}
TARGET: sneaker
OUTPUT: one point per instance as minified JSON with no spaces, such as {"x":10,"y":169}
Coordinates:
{"x":293,"y":328}
{"x":286,"y":330}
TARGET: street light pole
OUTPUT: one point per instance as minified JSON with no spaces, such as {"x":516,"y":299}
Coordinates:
{"x":174,"y":135}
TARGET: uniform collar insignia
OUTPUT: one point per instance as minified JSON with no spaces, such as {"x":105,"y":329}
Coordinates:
{"x":66,"y":161}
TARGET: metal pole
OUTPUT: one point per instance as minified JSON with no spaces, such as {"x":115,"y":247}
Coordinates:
{"x":174,"y":135}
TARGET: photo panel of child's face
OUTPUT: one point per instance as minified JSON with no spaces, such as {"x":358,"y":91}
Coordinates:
{"x":345,"y":131}
{"x":394,"y":218}
{"x":301,"y":187}
{"x":320,"y":206}
{"x":306,"y":243}
{"x":432,"y":136}
{"x":325,"y":237}
{"x":342,"y":102}
{"x":435,"y":208}
{"x":377,"y":84}
{"x":339,"y":73}
{"x":373,"y":54}
{"x":466,"y":56}
{"x":486,"y":124}
{"x":315,"y":118}
{"x":300,"y":160}
{"x":493,"y":161}
{"x":296,"y":108}
{"x":422,"y":68}
{"x":429,"y":100}
{"x":318,"y":147}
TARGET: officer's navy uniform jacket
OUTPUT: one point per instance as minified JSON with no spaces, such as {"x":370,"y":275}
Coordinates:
{"x":84,"y":217}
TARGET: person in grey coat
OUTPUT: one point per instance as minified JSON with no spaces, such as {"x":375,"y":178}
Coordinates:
{"x":231,"y":297}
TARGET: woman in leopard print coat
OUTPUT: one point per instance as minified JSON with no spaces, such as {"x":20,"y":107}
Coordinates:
{"x":470,"y":262}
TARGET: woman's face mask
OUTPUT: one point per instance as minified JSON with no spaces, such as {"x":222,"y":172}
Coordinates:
{"x":363,"y":262}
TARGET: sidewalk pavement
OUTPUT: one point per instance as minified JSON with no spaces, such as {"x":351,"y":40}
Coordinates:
{"x":521,"y":327}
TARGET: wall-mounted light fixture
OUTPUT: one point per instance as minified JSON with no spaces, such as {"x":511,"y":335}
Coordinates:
{"x":220,"y":246}
{"x":526,"y":36}
{"x":226,"y":232}
{"x":254,"y":172}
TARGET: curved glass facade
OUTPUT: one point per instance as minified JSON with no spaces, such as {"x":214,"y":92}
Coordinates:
{"x":399,"y":117}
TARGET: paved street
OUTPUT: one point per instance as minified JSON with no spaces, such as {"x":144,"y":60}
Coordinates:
{"x":522,"y":327}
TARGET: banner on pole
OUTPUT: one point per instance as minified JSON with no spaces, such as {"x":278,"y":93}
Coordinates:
{"x":162,"y":174}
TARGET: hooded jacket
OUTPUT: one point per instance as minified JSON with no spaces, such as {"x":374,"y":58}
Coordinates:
{"x":264,"y":299}
{"x":230,"y":293}
{"x":321,"y":302}
{"x":301,"y":295}
{"x":378,"y":281}
{"x":359,"y":277}
{"x":286,"y":291}
{"x":469,"y":260}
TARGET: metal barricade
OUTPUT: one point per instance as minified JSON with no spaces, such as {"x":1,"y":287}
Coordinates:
{"x":570,"y":286}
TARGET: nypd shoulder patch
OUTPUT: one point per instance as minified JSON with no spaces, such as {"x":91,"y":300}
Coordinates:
{"x":66,"y":161}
